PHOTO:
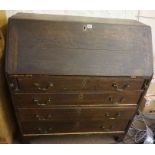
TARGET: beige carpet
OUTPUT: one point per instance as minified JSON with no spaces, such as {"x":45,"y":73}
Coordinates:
{"x":74,"y":139}
{"x":79,"y":139}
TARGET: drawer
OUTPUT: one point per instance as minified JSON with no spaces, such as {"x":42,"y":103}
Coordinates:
{"x":70,"y":99}
{"x":72,"y":114}
{"x":74,"y":127}
{"x":73,"y":83}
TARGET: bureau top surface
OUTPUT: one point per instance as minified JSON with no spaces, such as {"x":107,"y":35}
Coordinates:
{"x":68,"y":45}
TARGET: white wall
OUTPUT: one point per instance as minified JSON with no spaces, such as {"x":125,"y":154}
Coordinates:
{"x":147,"y":17}
{"x":106,"y":13}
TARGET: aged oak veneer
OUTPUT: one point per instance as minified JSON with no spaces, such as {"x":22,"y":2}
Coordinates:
{"x":76,"y":75}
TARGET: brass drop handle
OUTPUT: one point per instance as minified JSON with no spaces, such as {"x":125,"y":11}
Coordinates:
{"x":102,"y":127}
{"x":115,"y":86}
{"x":126,"y":86}
{"x":41,"y":130}
{"x":112,"y":118}
{"x":37,"y":85}
{"x":43,"y":118}
{"x":48,"y":102}
{"x":116,"y":116}
{"x":107,"y":114}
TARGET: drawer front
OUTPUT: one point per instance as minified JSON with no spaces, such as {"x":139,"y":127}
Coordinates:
{"x":49,"y":100}
{"x":70,"y":83}
{"x":73,"y":127}
{"x":72,"y":114}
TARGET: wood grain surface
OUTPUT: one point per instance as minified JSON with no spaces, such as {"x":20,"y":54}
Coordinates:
{"x":66,"y":74}
{"x":78,"y":48}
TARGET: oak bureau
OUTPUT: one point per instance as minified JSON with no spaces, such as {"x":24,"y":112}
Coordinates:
{"x":76,"y":75}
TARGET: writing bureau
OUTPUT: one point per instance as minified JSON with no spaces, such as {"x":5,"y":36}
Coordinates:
{"x":76,"y":75}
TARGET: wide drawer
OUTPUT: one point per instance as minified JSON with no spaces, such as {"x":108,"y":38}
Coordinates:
{"x":73,"y":83}
{"x":65,"y":99}
{"x":74,"y":127}
{"x":72,"y":114}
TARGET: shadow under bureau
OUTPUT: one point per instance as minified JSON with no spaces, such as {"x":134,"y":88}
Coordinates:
{"x":76,"y":75}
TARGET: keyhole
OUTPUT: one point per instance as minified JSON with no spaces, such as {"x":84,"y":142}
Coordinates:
{"x":110,"y":99}
{"x":84,"y":27}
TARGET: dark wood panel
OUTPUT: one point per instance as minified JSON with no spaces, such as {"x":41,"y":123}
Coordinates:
{"x":73,"y":83}
{"x":78,"y":113}
{"x":73,"y":127}
{"x":76,"y":75}
{"x":74,"y":99}
{"x":68,"y":48}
